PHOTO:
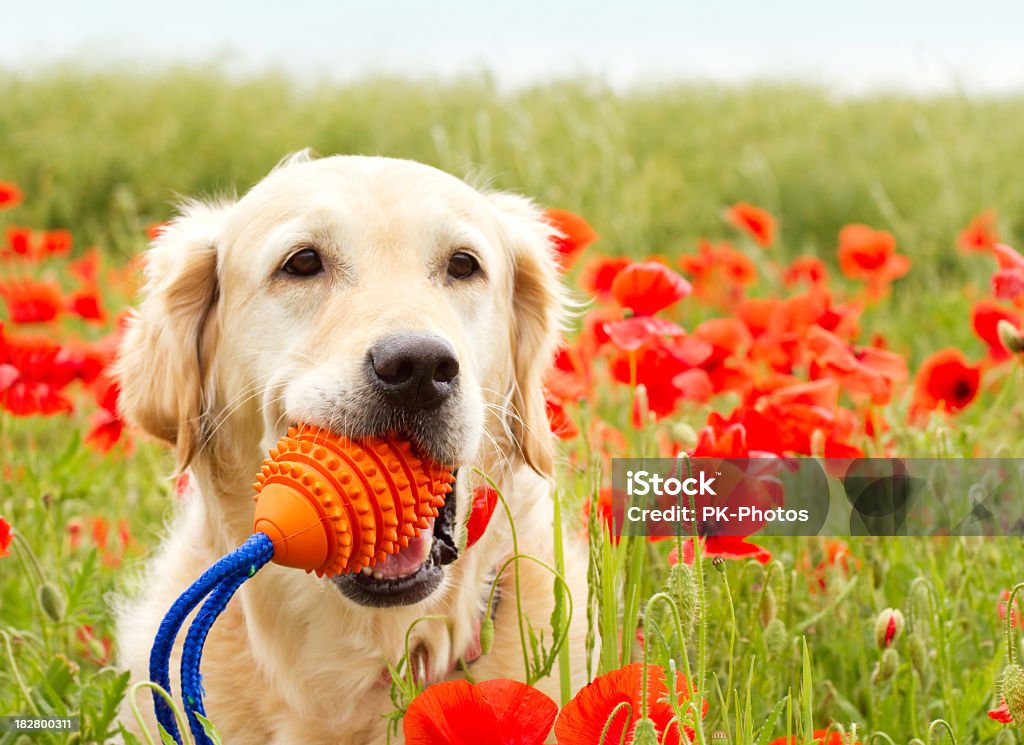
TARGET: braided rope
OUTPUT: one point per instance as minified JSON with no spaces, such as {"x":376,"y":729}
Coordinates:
{"x":192,"y":652}
{"x":257,"y":550}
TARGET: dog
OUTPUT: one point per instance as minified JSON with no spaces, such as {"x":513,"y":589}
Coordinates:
{"x":364,"y":295}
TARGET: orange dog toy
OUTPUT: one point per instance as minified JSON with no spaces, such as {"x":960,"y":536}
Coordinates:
{"x":331,"y":505}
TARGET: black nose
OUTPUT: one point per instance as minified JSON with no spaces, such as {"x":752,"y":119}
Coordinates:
{"x":415,"y":371}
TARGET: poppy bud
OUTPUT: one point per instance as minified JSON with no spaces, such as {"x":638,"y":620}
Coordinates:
{"x":486,"y":635}
{"x":1010,"y":336}
{"x":888,"y":627}
{"x":776,"y":638}
{"x":51,"y":601}
{"x":769,"y":607}
{"x":719,"y":563}
{"x":886,"y":667}
{"x":684,"y":434}
{"x":681,"y":587}
{"x":877,"y":569}
{"x":645,"y":733}
{"x":1013,"y":691}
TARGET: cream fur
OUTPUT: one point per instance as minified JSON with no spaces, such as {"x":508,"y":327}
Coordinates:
{"x":222,"y":354}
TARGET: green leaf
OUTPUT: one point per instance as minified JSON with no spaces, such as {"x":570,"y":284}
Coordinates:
{"x":128,"y":738}
{"x":165,"y":736}
{"x":769,"y":724}
{"x":210,"y":729}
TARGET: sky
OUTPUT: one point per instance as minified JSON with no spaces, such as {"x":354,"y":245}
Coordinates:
{"x":853,"y":47}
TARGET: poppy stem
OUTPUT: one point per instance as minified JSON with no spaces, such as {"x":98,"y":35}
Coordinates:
{"x":882,"y":735}
{"x":702,"y":630}
{"x":678,"y":623}
{"x":564,"y":671}
{"x":515,"y":553}
{"x":940,"y":631}
{"x":943,"y":723}
{"x":611,"y":717}
{"x":179,"y":717}
{"x":732,"y":638}
{"x":1011,"y":652}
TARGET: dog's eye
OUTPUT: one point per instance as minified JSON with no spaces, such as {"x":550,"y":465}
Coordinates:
{"x":462,"y":265}
{"x":304,"y":263}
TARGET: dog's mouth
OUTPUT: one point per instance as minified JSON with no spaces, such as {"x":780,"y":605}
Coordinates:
{"x":412,"y":574}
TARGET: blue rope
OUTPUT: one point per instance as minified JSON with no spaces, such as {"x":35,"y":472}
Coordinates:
{"x":192,"y":652}
{"x":255,"y":552}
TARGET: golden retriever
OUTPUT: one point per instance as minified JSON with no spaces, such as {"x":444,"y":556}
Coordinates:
{"x":366,"y":295}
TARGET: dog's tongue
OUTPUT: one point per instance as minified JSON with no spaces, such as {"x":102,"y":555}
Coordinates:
{"x":409,"y":559}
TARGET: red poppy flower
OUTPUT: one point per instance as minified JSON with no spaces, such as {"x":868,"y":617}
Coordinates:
{"x":834,"y":738}
{"x":858,"y":369}
{"x":1008,"y":284}
{"x":31,"y":301}
{"x":10,"y":195}
{"x":503,"y":712}
{"x":1002,"y":713}
{"x":87,"y":304}
{"x":869,"y":254}
{"x":1007,"y":257}
{"x":105,"y":429}
{"x":485,"y":499}
{"x":985,"y":317}
{"x":787,"y":419}
{"x":731,"y":443}
{"x":55,"y":243}
{"x":980,"y":234}
{"x":719,"y":273}
{"x":106,"y":424}
{"x":155,"y":230}
{"x":559,"y":421}
{"x":758,"y":223}
{"x":694,"y":385}
{"x":576,"y":234}
{"x":584,"y":718}
{"x":837,"y":559}
{"x":87,"y":268}
{"x":42,"y":375}
{"x":598,"y":274}
{"x":648,"y":287}
{"x":629,"y":334}
{"x":726,"y":546}
{"x":728,"y":337}
{"x":19,"y":241}
{"x":945,"y":380}
{"x":655,"y":365}
{"x":6,"y":536}
{"x":809,"y":269}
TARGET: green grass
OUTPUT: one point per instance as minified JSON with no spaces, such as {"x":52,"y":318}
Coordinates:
{"x":104,"y":153}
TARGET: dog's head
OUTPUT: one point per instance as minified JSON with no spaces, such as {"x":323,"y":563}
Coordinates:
{"x":364,"y":295}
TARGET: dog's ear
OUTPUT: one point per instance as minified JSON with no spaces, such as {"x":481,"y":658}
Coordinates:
{"x":538,"y":306}
{"x":162,"y":361}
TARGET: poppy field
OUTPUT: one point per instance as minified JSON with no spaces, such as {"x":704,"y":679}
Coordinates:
{"x":762,"y":271}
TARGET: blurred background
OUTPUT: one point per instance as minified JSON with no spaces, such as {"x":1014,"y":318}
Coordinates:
{"x":648,"y":118}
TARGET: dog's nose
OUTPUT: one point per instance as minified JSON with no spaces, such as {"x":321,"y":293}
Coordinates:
{"x":415,"y":371}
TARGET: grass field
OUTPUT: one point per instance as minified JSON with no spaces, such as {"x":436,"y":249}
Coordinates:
{"x":653,"y":171}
